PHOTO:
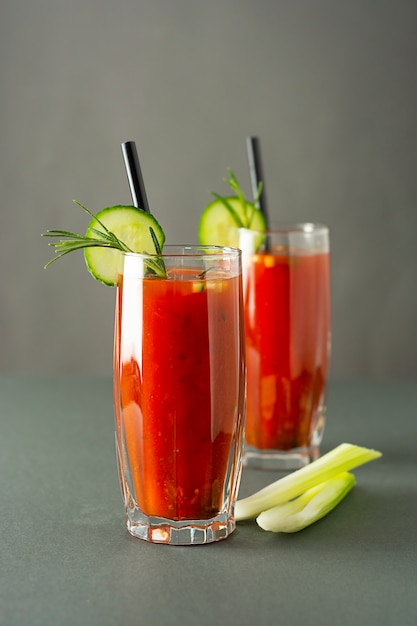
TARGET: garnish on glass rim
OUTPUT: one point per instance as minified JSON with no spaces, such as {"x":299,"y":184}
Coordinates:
{"x":111,"y":230}
{"x":221,"y":219}
{"x":244,"y":218}
{"x":74,"y":241}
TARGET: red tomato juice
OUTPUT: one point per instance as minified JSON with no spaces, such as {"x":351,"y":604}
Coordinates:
{"x":179,"y":382}
{"x":287,"y":322}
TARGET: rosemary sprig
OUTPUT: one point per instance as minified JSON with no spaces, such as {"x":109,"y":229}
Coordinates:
{"x":75,"y":241}
{"x":248,"y":207}
{"x":103,"y":239}
{"x":157,"y":265}
{"x":203,"y":273}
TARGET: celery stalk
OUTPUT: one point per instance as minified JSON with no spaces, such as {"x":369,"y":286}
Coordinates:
{"x":343,"y":458}
{"x":308,"y":508}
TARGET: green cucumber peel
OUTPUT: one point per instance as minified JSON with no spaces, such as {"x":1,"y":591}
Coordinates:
{"x":104,"y":238}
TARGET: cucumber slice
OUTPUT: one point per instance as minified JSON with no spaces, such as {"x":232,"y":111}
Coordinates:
{"x":221,"y":219}
{"x":132,"y":226}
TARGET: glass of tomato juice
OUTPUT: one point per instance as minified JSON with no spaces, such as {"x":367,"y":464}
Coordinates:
{"x":179,"y":392}
{"x":286,"y":278}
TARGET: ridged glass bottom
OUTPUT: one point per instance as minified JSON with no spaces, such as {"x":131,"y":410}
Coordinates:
{"x":285,"y":460}
{"x":179,"y":533}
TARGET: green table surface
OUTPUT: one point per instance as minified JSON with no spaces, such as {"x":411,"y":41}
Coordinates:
{"x":67,"y":559}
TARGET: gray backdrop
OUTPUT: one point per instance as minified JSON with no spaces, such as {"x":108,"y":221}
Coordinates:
{"x":330,"y":87}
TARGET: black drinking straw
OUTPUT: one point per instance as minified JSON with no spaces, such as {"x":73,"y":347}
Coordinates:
{"x":134,"y":176}
{"x":256,"y":173}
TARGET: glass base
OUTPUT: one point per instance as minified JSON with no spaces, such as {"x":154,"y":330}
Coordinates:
{"x":179,"y":533}
{"x":285,"y":460}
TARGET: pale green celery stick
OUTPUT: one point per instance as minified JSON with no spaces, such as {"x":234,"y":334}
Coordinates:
{"x":308,"y":508}
{"x":343,"y":458}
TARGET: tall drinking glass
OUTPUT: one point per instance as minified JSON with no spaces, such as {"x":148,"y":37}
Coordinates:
{"x":179,"y":382}
{"x":287,"y":323}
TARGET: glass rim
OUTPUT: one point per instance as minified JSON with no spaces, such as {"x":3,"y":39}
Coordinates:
{"x":304,"y":228}
{"x":189,"y":251}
